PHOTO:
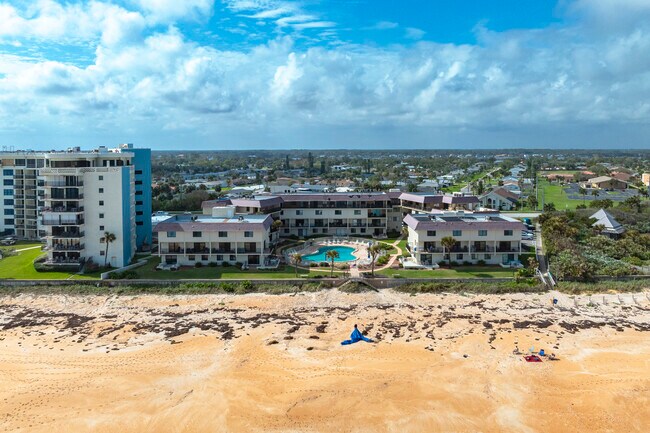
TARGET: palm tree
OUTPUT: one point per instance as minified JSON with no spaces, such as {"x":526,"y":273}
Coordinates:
{"x":331,"y":256}
{"x":448,"y":242}
{"x":296,"y":259}
{"x":594,"y":192}
{"x":375,"y":251}
{"x":275,"y":226}
{"x":109,"y":238}
{"x":583,"y":193}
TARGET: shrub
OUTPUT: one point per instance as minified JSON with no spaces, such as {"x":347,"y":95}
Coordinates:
{"x":466,"y":263}
{"x":225,"y":264}
{"x":228,"y":287}
{"x":481,"y":263}
{"x":212,"y":264}
{"x":324,"y":265}
{"x":198,"y":265}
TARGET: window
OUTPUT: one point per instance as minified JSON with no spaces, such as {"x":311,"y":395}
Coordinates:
{"x":507,"y":232}
{"x":319,"y":212}
{"x":190,"y":258}
{"x":138,"y":193}
{"x":138,"y":213}
{"x":102,"y":252}
{"x":298,"y":212}
{"x":197,"y":234}
{"x":138,"y":203}
{"x":8,"y":182}
{"x":457,"y":233}
{"x":248,"y":234}
{"x":101,"y":215}
{"x":171,"y":234}
{"x":9,"y":192}
{"x":482,"y":232}
{"x":337,"y":212}
{"x":101,"y":202}
{"x":487,"y":256}
{"x":101,"y":228}
{"x":459,"y":257}
{"x":431,"y":232}
{"x":9,"y":202}
{"x":9,"y":222}
{"x":139,"y":223}
{"x":138,"y":182}
{"x":9,"y":211}
{"x":7,"y":172}
{"x":223,"y":234}
{"x":101,"y":190}
{"x":101,"y":177}
{"x":138,"y":172}
{"x":357,"y":212}
{"x":204,"y":258}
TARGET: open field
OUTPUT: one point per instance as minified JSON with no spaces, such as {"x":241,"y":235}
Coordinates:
{"x":259,"y":363}
{"x":554,"y":193}
{"x":21,"y":265}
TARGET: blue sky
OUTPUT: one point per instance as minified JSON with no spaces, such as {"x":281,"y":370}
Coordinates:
{"x":325,"y":73}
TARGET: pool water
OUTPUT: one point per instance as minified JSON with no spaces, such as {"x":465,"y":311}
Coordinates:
{"x":345,"y":254}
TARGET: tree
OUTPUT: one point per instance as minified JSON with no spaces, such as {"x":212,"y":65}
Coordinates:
{"x":480,"y":188}
{"x":296,"y":259}
{"x":549,"y":207}
{"x":594,"y":192}
{"x":275,"y":225}
{"x":375,"y":251}
{"x":633,"y":202}
{"x":583,"y":193}
{"x":448,"y":243}
{"x":109,"y":238}
{"x":331,"y":256}
{"x":532,"y":202}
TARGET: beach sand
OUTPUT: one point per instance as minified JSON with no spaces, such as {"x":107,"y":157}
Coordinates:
{"x":257,"y":363}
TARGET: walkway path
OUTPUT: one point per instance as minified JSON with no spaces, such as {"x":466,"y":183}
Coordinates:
{"x":29,"y":248}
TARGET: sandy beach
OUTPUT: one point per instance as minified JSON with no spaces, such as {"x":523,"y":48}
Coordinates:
{"x":254,"y":363}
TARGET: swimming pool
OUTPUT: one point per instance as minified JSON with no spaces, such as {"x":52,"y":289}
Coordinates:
{"x":345,"y":254}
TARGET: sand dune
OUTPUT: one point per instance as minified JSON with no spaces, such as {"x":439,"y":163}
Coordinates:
{"x":274,"y":363}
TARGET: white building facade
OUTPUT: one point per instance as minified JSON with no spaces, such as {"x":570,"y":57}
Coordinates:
{"x":480,"y":237}
{"x":219,"y":238}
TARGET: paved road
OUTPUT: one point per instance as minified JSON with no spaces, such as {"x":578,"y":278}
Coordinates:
{"x":539,"y":250}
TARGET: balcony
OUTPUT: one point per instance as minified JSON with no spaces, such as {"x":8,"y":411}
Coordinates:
{"x":62,"y":184}
{"x":67,"y":235}
{"x":51,"y":197}
{"x":63,"y":222}
{"x":67,"y":247}
{"x":248,"y":251}
{"x":172,"y":251}
{"x":61,"y":209}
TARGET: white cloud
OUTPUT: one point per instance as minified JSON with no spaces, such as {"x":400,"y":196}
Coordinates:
{"x":169,"y":10}
{"x":383,"y":25}
{"x":413,"y":33}
{"x":152,"y":78}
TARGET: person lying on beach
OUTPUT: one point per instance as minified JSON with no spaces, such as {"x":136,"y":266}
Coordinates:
{"x":355,"y":337}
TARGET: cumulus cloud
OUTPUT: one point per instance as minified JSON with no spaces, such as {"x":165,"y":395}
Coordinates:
{"x":145,"y":77}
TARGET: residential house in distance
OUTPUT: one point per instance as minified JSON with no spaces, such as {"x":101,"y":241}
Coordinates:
{"x":487,"y":237}
{"x":222,"y":237}
{"x":499,"y":199}
{"x":621,"y":175}
{"x":604,"y":182}
{"x":645,"y":179}
{"x":610,"y":227}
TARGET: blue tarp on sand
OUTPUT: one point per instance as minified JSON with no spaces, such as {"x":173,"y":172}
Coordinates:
{"x":355,"y":337}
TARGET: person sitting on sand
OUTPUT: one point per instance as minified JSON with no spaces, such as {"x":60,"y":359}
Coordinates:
{"x":355,"y":337}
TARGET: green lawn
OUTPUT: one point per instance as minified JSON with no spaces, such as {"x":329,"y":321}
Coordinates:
{"x":149,"y":271}
{"x":554,"y":193}
{"x":21,"y":265}
{"x":457,"y":272}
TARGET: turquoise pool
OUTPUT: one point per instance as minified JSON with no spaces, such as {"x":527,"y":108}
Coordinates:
{"x":345,"y":254}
